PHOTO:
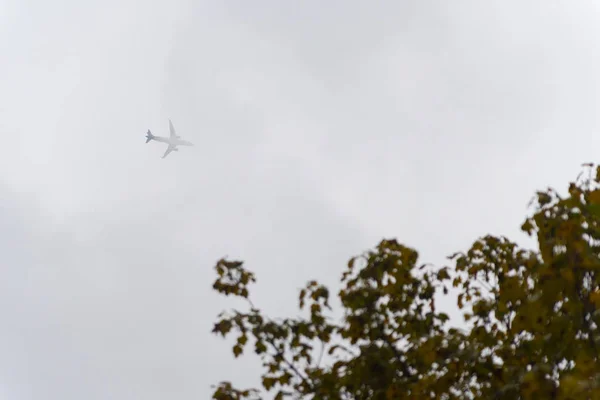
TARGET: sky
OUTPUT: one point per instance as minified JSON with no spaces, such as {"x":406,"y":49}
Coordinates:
{"x":319,"y":129}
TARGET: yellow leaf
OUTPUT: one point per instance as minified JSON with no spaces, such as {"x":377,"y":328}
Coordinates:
{"x":567,"y":274}
{"x":595,"y":298}
{"x":393,"y":392}
{"x":594,"y":197}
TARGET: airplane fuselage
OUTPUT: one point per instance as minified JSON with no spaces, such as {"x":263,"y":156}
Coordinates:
{"x":172,"y":142}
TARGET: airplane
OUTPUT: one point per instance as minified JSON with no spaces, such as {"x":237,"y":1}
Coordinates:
{"x":173,"y":140}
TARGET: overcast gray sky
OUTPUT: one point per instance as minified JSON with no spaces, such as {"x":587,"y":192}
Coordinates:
{"x":320,"y":128}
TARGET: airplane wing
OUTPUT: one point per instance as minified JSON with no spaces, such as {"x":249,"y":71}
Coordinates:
{"x":169,"y":149}
{"x":172,"y":130}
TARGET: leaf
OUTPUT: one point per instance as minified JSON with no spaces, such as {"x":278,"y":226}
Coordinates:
{"x":260,"y":347}
{"x":237,"y":350}
{"x":595,"y":299}
{"x":527,"y":227}
{"x":443,"y":274}
{"x":594,"y":197}
{"x":223,"y":327}
{"x":268,"y":382}
{"x":301,"y":298}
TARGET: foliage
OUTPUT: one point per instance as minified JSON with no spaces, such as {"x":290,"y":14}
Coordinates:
{"x":531,"y":315}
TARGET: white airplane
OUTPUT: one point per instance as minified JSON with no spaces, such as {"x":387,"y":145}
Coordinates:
{"x":173,"y":140}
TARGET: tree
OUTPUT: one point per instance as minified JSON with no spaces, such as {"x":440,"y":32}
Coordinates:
{"x":532,"y":318}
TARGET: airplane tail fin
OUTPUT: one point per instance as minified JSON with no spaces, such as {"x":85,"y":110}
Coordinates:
{"x":149,"y":136}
